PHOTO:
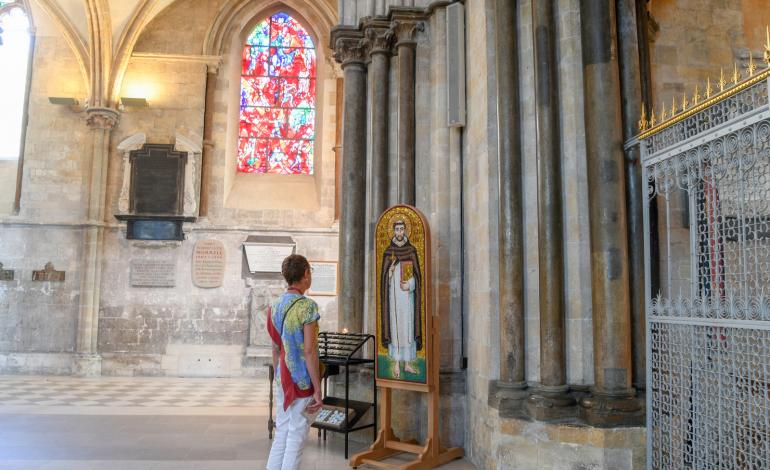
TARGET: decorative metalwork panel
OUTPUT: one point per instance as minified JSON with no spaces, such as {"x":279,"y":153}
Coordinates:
{"x":719,"y":113}
{"x":708,"y":325}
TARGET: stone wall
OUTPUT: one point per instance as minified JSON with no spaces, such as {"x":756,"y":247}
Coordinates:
{"x":693,"y":40}
{"x":8,"y":172}
{"x":178,"y":331}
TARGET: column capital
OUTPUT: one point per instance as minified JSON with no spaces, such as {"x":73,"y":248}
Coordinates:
{"x":406,"y":30}
{"x":380,"y":40}
{"x":350,"y":51}
{"x":102,"y":118}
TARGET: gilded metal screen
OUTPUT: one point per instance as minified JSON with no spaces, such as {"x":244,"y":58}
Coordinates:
{"x":708,"y":323}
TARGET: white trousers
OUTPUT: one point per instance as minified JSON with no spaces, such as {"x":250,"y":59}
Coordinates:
{"x":291,"y":429}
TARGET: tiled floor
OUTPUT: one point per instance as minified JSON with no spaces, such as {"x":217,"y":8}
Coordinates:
{"x":57,"y":423}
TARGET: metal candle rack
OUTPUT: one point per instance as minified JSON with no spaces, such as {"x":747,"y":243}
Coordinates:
{"x":344,"y":350}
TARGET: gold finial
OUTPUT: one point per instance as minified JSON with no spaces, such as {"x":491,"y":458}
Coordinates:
{"x":736,"y":74}
{"x":652,"y":117}
{"x":695,"y":96}
{"x":673,"y":106}
{"x":708,"y":87}
{"x":663,"y":114}
{"x":767,"y":45}
{"x":684,"y":101}
{"x":722,"y":81}
{"x":643,"y":120}
{"x":752,"y":67}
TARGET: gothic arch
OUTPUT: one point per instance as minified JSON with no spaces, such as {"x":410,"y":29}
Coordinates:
{"x":237,"y":15}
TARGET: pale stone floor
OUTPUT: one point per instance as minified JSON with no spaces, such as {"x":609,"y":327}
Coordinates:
{"x":64,"y":423}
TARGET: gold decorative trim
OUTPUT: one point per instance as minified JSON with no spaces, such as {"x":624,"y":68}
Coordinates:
{"x":705,"y":104}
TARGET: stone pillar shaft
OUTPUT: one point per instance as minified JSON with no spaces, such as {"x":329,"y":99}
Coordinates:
{"x":406,"y":45}
{"x":208,"y":143}
{"x":380,"y":70}
{"x":511,"y":263}
{"x":612,"y":392}
{"x":100,"y":121}
{"x":630,"y":82}
{"x":353,"y":208}
{"x":550,"y":236}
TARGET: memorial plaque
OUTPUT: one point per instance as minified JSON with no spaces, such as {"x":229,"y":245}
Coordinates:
{"x":265,"y":254}
{"x":208,"y":269}
{"x":153,"y":273}
{"x":6,"y":274}
{"x":48,"y":274}
{"x":157,"y":180}
{"x":324,"y":278}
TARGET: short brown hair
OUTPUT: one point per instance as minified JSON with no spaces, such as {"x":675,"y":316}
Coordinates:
{"x":293,"y":268}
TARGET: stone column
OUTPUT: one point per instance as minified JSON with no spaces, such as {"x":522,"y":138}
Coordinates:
{"x":380,"y":42}
{"x":352,"y":53}
{"x":100,"y":121}
{"x":512,"y":383}
{"x":551,"y":398}
{"x":406,"y":43}
{"x":613,"y":399}
{"x":208,"y":142}
{"x":630,"y":83}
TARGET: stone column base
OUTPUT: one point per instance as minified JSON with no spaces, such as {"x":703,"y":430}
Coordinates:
{"x":508,"y":398}
{"x":551,"y":404}
{"x":611,"y":410}
{"x":87,"y":365}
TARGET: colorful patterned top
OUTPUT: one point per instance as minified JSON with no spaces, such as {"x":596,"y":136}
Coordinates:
{"x":290,"y":313}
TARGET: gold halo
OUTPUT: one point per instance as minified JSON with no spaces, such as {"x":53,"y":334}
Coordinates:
{"x":398,"y":216}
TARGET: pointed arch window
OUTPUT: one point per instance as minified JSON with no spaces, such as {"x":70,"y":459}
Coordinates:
{"x":15,"y":44}
{"x":278,"y":99}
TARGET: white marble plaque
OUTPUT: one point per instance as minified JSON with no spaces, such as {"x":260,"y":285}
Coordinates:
{"x":208,"y":268}
{"x":266,"y":257}
{"x":324,"y":278}
{"x":153,"y":273}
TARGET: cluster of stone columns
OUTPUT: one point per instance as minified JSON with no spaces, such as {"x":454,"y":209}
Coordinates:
{"x":612,"y":399}
{"x":100,"y":122}
{"x":361,"y":50}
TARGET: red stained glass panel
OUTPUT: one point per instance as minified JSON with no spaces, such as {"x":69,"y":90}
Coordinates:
{"x":277,"y":119}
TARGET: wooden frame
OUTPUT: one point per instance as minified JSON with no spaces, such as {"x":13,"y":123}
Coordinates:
{"x":430,"y":454}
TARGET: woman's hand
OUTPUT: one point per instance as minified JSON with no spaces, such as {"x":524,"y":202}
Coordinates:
{"x":317,"y":402}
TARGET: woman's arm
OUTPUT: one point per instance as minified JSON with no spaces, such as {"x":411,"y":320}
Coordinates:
{"x":311,"y":361}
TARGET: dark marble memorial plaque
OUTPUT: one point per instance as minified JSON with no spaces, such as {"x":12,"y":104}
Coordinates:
{"x":6,"y":274}
{"x":48,"y":274}
{"x":157,"y":180}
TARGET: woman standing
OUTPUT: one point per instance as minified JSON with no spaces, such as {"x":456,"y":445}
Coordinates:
{"x":292,"y":323}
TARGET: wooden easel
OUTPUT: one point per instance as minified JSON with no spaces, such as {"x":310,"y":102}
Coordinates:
{"x":431,"y":454}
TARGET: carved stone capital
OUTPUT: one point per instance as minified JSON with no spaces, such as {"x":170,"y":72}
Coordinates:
{"x":380,"y":40}
{"x":406,"y":32}
{"x":350,"y":51}
{"x":102,"y":118}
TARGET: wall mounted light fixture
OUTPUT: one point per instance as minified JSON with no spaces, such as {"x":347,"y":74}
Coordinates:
{"x":134,"y":102}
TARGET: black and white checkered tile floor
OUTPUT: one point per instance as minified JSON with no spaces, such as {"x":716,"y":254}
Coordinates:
{"x":132,"y":392}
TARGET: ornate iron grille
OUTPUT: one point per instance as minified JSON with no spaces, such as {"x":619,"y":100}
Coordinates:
{"x":708,"y":327}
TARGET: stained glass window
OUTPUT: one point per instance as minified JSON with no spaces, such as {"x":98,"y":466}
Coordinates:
{"x":277,"y":120}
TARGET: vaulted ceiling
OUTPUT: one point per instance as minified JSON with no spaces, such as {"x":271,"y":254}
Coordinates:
{"x":103,"y":33}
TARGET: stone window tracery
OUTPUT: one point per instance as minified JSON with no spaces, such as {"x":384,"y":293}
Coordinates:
{"x":278,"y":99}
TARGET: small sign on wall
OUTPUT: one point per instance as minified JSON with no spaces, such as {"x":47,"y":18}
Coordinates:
{"x":324,"y":278}
{"x":48,"y":274}
{"x":6,"y":274}
{"x":208,"y":264}
{"x":153,"y":273}
{"x":265,"y":254}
